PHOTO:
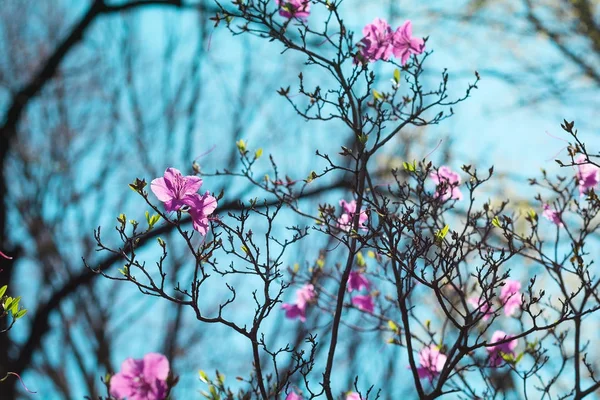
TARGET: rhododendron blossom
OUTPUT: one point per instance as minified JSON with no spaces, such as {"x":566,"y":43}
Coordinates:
{"x":431,"y":362}
{"x":144,"y":379}
{"x":588,"y":175}
{"x":201,"y":206}
{"x":552,"y":215}
{"x":304,"y":295}
{"x":357,"y":281}
{"x":481,"y":305}
{"x":505,"y":348}
{"x":447,"y":182}
{"x":510,"y":296}
{"x":294,"y":8}
{"x":404,"y":44}
{"x":364,"y":303}
{"x":293,"y":396}
{"x":380,"y":42}
{"x":345,"y":220}
{"x":353,"y":396}
{"x":174,"y":189}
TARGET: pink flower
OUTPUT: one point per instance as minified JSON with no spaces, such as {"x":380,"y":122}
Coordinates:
{"x":404,"y":44}
{"x":304,"y":295}
{"x":377,"y":41}
{"x":506,"y":348}
{"x":431,"y":362}
{"x":173,"y":189}
{"x":294,"y":8}
{"x":552,"y":215}
{"x":353,"y":396}
{"x":345,"y":220}
{"x":357,"y":281}
{"x":588,"y":175}
{"x":201,"y":206}
{"x":363,"y":303}
{"x":510,"y":297}
{"x":447,"y":182}
{"x":482,"y":306}
{"x":293,"y":396}
{"x":144,"y":379}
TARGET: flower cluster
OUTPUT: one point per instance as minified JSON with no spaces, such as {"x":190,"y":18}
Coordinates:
{"x":431,"y":362}
{"x":179,"y":192}
{"x":144,"y":379}
{"x":357,"y":281}
{"x":380,"y":42}
{"x":510,"y":300}
{"x":349,"y":210}
{"x":588,"y":175}
{"x":447,"y":182}
{"x":496,"y":352}
{"x":304,"y":295}
{"x":294,"y":8}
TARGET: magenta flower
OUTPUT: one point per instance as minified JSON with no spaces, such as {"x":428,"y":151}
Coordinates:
{"x":482,"y":306}
{"x":304,"y":295}
{"x":345,"y":220}
{"x":144,"y":379}
{"x":294,"y":8}
{"x":353,"y":396}
{"x":447,"y":182}
{"x":588,"y":175}
{"x":552,"y":215}
{"x":404,"y":44}
{"x":201,"y":206}
{"x":293,"y":396}
{"x":505,"y":348}
{"x":431,"y":362}
{"x":357,"y":281}
{"x":377,"y":41}
{"x":173,"y":188}
{"x":363,"y":303}
{"x":510,"y":296}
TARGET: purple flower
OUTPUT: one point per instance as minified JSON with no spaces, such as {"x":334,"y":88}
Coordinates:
{"x":201,"y":206}
{"x":357,"y":281}
{"x":345,"y":220}
{"x":377,"y":41}
{"x":588,"y":175}
{"x":552,"y":215}
{"x":404,"y":44}
{"x":173,"y":189}
{"x":293,"y":396}
{"x":510,"y":296}
{"x":304,"y":295}
{"x":353,"y":396}
{"x":294,"y":8}
{"x":144,"y":379}
{"x":482,"y":306}
{"x":431,"y":362}
{"x":447,"y":182}
{"x":363,"y":303}
{"x":505,"y":348}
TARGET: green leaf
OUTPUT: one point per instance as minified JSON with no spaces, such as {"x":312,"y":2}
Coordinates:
{"x":397,"y":76}
{"x":496,"y":222}
{"x":377,"y":95}
{"x":360,"y":260}
{"x":258,"y":153}
{"x":241,"y":145}
{"x":440,"y":235}
{"x":3,"y":290}
{"x":20,"y":313}
{"x":392,"y":325}
{"x":203,"y":376}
